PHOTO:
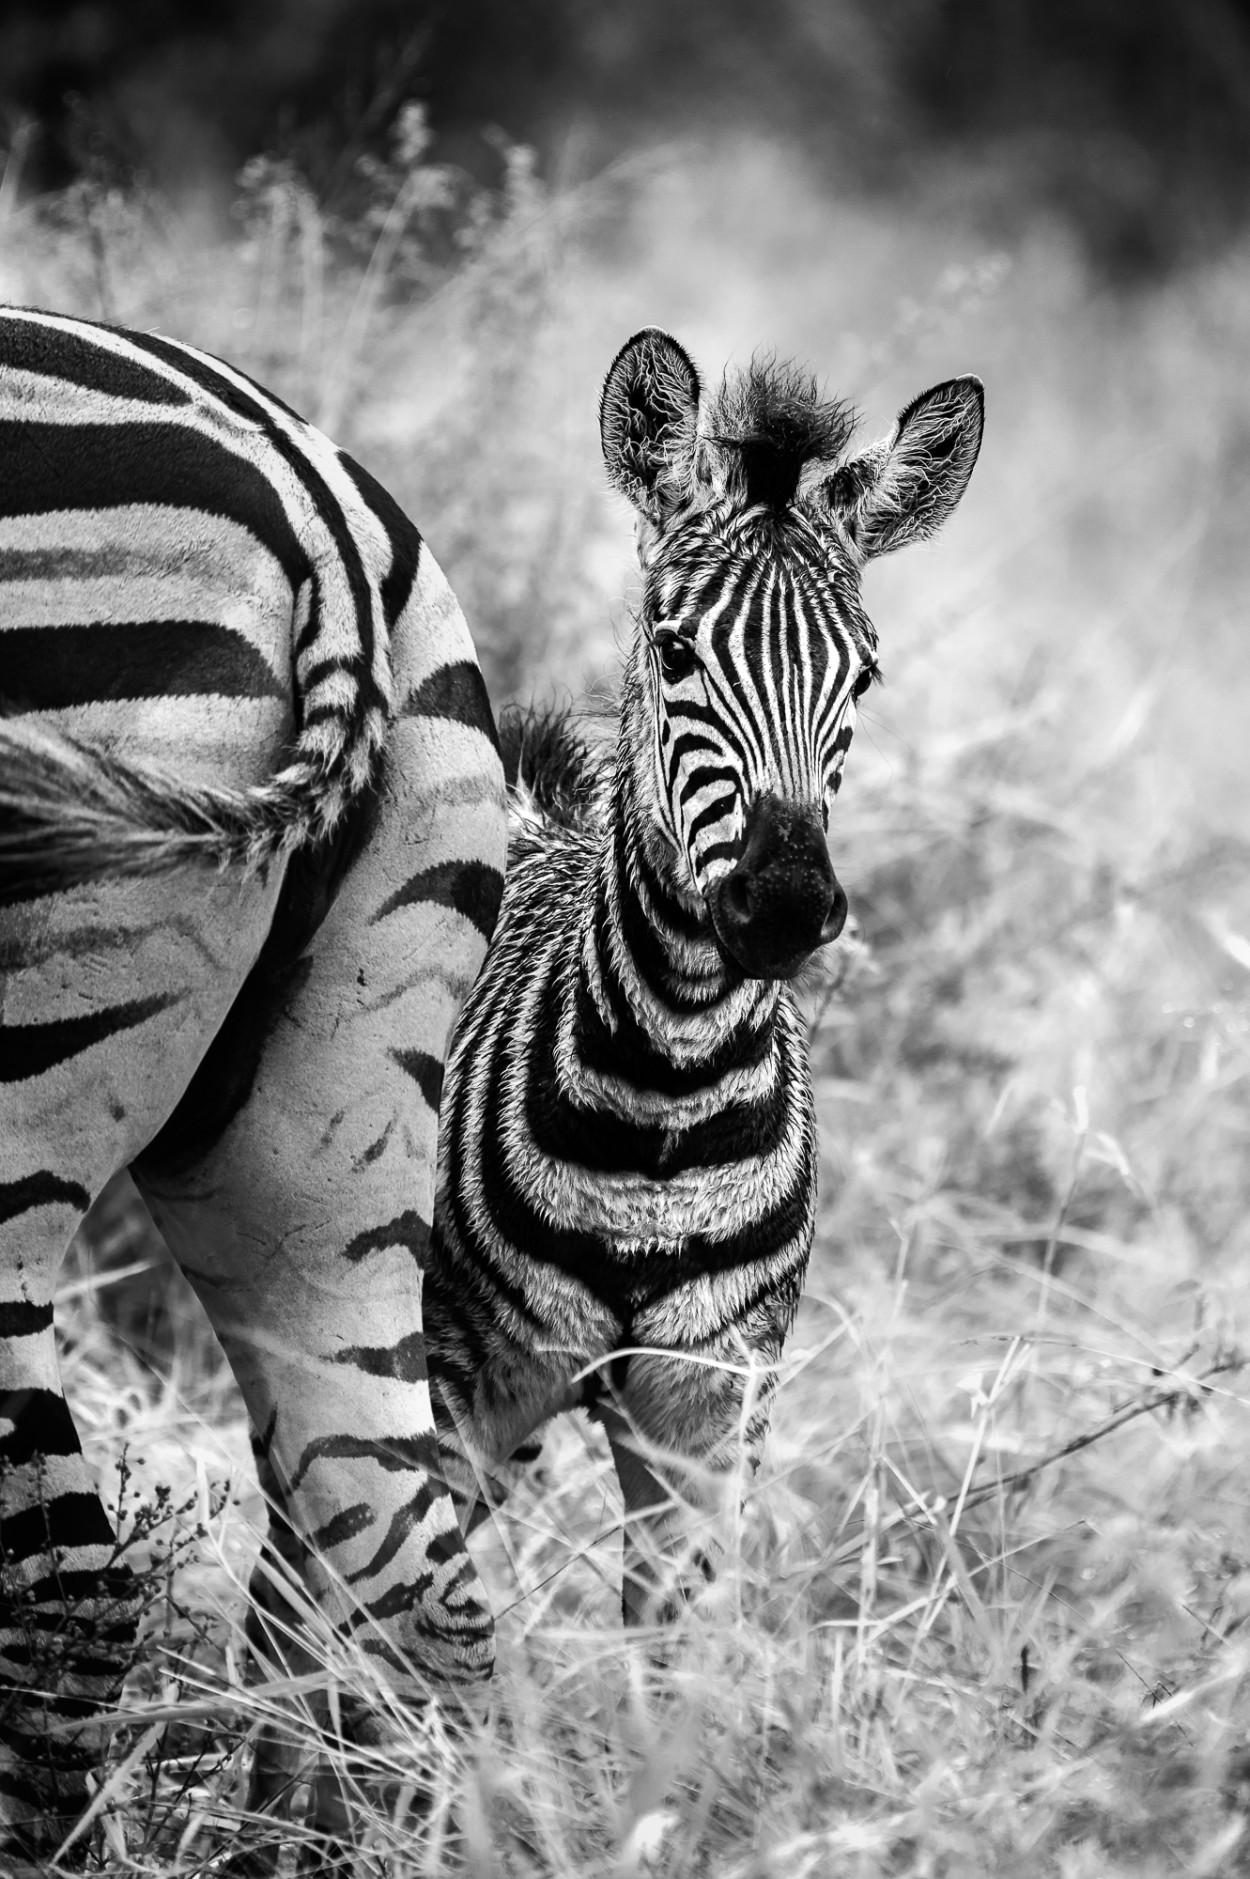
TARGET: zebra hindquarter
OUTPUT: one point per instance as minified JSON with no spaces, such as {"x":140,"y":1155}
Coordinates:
{"x":304,"y":1228}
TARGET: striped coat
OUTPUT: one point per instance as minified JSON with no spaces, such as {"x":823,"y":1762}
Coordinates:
{"x":251,"y":851}
{"x":627,"y":1180}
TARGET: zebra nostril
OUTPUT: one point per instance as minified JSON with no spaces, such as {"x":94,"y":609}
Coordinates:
{"x":835,"y":919}
{"x":737,"y":898}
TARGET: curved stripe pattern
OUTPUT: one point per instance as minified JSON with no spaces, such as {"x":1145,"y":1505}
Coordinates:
{"x":222,"y":642}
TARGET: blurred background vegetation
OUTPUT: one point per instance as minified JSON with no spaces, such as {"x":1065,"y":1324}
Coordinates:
{"x":1130,"y":117}
{"x":429,"y":228}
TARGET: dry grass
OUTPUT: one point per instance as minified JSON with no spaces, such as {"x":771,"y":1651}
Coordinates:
{"x":928,"y":1654}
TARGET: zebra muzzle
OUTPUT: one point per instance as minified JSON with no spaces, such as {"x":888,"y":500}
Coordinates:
{"x":781,"y":899}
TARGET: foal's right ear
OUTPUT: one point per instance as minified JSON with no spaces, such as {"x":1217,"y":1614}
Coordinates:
{"x":903,"y":489}
{"x":649,"y":420}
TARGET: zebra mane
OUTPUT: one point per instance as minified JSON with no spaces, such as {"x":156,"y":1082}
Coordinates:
{"x":769,"y":421}
{"x":548,"y":766}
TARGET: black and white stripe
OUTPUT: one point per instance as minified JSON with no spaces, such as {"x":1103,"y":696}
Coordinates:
{"x":627,"y":1169}
{"x":251,"y":848}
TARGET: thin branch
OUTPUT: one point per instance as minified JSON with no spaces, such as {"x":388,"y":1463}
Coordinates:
{"x":1160,"y":1396}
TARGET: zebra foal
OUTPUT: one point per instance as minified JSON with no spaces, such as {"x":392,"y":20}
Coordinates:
{"x":627,"y":1177}
{"x":252,"y":835}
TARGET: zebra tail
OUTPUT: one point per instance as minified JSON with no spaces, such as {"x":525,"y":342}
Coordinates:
{"x":71,"y":814}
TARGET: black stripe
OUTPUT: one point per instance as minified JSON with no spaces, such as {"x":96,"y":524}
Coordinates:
{"x":646,"y":947}
{"x":403,"y":1522}
{"x":376,"y":1148}
{"x":396,"y":1454}
{"x":81,"y":360}
{"x":324,"y":714}
{"x":112,"y":1588}
{"x":404,"y":1361}
{"x":29,"y":1050}
{"x":100,"y":466}
{"x":425,"y":1071}
{"x":44,"y":1189}
{"x":407,"y":1229}
{"x":41,"y":1425}
{"x":627,"y":1286}
{"x":75,"y":1519}
{"x":39,"y":1652}
{"x":681,"y":919}
{"x":344,"y":1525}
{"x":471,"y":888}
{"x":28,"y":1794}
{"x":477,"y":1278}
{"x":329,"y":509}
{"x":717,"y":810}
{"x":46,"y":668}
{"x":626,"y":1052}
{"x":436,"y":1621}
{"x":20,"y":1318}
{"x":104,"y":1596}
{"x":311,"y":628}
{"x":313,"y":675}
{"x":610,"y":1144}
{"x":405,"y":539}
{"x":456,"y":691}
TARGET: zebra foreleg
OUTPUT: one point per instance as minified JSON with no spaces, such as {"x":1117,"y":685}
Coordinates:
{"x":661,"y":1566}
{"x":684,"y":1436}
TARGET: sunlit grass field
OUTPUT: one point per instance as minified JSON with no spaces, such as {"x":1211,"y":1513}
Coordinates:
{"x":982,"y":1611}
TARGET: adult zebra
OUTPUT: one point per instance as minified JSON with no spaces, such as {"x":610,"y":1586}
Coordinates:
{"x":251,"y":849}
{"x":627,"y":1166}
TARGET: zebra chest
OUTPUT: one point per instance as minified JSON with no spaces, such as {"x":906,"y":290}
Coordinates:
{"x":628,"y":1236}
{"x":629,"y":1211}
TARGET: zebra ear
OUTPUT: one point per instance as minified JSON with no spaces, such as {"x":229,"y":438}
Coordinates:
{"x":648,"y":420}
{"x":904,"y":488}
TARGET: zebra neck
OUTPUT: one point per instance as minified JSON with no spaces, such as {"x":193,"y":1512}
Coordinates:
{"x":652,"y":989}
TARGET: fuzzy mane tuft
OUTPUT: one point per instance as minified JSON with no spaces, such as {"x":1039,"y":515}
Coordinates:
{"x":773,"y":421}
{"x":546,"y":763}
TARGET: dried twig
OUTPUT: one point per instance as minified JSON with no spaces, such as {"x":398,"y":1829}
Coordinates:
{"x":1159,"y":1396}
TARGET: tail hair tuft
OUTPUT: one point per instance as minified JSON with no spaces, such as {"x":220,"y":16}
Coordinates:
{"x":71,"y":814}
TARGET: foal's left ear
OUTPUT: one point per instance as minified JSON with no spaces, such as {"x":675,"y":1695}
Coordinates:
{"x":648,"y":420}
{"x":904,"y":488}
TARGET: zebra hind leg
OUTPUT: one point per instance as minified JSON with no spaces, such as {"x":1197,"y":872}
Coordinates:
{"x":68,"y":1603}
{"x":299,"y":1746}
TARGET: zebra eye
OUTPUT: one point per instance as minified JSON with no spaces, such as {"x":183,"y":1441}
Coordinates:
{"x":864,"y":680}
{"x":677,"y":656}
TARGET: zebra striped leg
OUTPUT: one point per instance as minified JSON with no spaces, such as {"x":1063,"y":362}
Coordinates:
{"x":67,"y":1608}
{"x":276,"y":1646}
{"x":358,"y":1512}
{"x":304,"y":1229}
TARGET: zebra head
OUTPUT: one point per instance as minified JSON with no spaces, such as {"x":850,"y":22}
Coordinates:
{"x":753,"y":647}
